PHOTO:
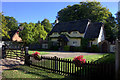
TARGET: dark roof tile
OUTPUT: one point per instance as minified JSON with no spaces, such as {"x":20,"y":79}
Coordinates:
{"x":79,"y":25}
{"x":93,"y":30}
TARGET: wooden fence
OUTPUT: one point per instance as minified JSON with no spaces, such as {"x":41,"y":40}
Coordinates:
{"x":89,"y":70}
{"x":16,"y":52}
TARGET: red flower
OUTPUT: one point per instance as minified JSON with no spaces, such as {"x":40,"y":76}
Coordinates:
{"x":79,"y":59}
{"x":36,"y":53}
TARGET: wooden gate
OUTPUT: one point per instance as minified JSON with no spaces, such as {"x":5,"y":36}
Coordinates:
{"x":16,"y":52}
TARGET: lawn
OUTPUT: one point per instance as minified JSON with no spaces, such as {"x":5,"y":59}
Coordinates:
{"x":34,"y":72}
{"x":91,"y":57}
{"x":41,"y":52}
{"x":29,"y":72}
{"x":108,"y":58}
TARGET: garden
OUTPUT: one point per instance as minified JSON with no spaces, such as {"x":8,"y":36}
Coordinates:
{"x":34,"y":72}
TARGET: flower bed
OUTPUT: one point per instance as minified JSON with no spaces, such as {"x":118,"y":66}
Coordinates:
{"x":36,"y":55}
{"x":79,"y":60}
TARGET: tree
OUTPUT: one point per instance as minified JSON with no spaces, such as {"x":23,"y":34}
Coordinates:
{"x":118,"y":24}
{"x":32,"y":33}
{"x":89,"y":10}
{"x":11,"y":23}
{"x":47,"y":25}
{"x":4,"y":29}
{"x":7,"y":24}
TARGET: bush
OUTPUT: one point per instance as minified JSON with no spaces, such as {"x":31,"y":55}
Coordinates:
{"x":76,"y":49}
{"x":94,"y":48}
{"x":66,"y":48}
{"x":54,"y":48}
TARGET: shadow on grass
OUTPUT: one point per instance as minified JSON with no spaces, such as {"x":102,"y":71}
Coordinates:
{"x":110,"y":58}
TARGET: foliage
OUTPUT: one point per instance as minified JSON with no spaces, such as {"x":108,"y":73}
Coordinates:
{"x":66,"y":48}
{"x":54,"y":48}
{"x":4,"y":29}
{"x":109,"y":58}
{"x":79,"y":60}
{"x":12,"y":24}
{"x":36,"y":55}
{"x":84,"y":43}
{"x":118,"y":25}
{"x":47,"y":25}
{"x":94,"y":48}
{"x":90,"y":10}
{"x":8,"y":24}
{"x":32,"y":33}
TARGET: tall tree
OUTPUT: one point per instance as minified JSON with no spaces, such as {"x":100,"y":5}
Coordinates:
{"x":89,"y":10}
{"x":12,"y":24}
{"x":118,"y":24}
{"x":4,"y":29}
{"x":32,"y":33}
{"x":47,"y":25}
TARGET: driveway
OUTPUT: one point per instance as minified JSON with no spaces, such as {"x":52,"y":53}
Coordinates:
{"x":68,"y":54}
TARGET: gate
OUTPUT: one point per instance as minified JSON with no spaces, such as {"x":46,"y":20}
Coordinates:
{"x":14,"y":52}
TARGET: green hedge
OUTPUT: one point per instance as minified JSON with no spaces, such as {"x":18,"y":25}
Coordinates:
{"x":66,"y":48}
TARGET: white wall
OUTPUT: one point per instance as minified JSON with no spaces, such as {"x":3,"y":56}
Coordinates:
{"x":101,"y":35}
{"x":54,"y":39}
{"x":112,"y":48}
{"x":70,"y":43}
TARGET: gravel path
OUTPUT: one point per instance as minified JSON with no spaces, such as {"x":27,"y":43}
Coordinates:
{"x":68,"y":54}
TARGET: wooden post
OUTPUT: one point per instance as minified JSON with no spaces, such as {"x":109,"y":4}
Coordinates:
{"x":117,"y":60}
{"x":27,"y":57}
{"x":56,"y":64}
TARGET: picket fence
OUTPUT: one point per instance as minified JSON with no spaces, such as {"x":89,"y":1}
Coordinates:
{"x":89,"y":70}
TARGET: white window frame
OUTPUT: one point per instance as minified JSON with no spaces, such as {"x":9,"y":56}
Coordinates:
{"x":74,"y":32}
{"x":74,"y":43}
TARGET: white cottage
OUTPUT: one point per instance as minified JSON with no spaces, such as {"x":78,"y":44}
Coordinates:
{"x":71,"y":33}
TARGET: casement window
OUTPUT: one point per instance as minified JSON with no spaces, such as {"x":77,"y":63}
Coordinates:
{"x":74,"y":43}
{"x":90,"y":44}
{"x":55,"y":33}
{"x":74,"y":32}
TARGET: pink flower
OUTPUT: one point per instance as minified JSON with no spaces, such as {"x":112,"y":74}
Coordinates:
{"x":79,"y":59}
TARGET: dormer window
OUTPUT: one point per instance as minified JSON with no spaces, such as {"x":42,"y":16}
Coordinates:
{"x":55,"y":33}
{"x":74,"y":32}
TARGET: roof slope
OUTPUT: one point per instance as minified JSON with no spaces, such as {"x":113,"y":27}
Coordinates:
{"x":79,"y":25}
{"x":10,"y":33}
{"x":93,"y":30}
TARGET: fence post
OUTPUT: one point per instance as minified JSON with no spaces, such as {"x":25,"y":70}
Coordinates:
{"x":27,"y":57}
{"x":3,"y":51}
{"x":56,"y":64}
{"x":117,"y":60}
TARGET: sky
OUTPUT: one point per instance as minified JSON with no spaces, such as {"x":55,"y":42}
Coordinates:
{"x":34,"y":11}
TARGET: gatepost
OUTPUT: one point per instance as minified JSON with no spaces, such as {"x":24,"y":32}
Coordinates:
{"x":27,"y":57}
{"x":117,"y":60}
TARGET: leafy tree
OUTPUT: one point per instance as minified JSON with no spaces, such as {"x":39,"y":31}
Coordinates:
{"x":11,"y":23}
{"x":89,"y":10}
{"x":47,"y":25}
{"x":4,"y":29}
{"x":32,"y":33}
{"x":7,"y":24}
{"x":118,"y":24}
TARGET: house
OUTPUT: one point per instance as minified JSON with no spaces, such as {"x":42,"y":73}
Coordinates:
{"x":14,"y":41}
{"x":72,"y":33}
{"x":14,"y":36}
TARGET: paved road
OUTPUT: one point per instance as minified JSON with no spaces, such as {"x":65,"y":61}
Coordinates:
{"x":68,"y":54}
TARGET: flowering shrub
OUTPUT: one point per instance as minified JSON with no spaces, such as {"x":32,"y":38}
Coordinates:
{"x":36,"y":55}
{"x":79,"y":60}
